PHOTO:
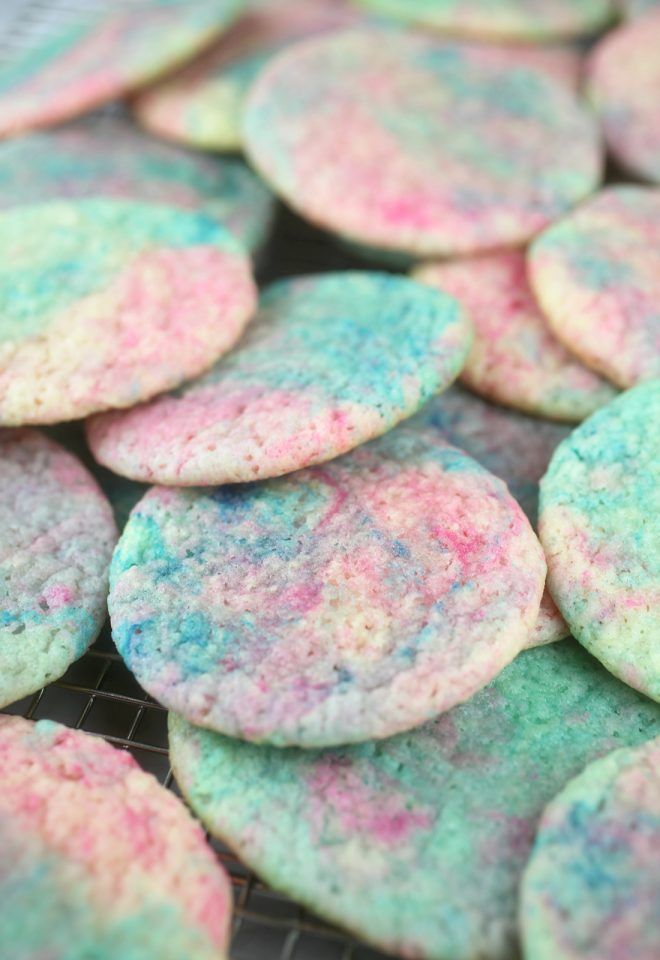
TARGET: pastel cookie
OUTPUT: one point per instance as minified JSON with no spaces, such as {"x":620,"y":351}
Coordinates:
{"x":596,"y":275}
{"x":330,"y":362}
{"x":446,"y":149}
{"x":98,"y":860}
{"x":109,"y":157}
{"x":106,"y":287}
{"x":623,"y":82}
{"x":350,"y":601}
{"x":515,"y":358}
{"x":56,"y":540}
{"x":600,"y":527}
{"x":635,"y":8}
{"x":202,"y":105}
{"x":418,"y":843}
{"x":515,"y":448}
{"x":102,"y":55}
{"x":592,"y":886}
{"x":526,"y":20}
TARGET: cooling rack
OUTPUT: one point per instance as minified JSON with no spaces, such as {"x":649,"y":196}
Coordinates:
{"x":98,"y":694}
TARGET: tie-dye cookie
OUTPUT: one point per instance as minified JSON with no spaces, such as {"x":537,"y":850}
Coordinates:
{"x":417,"y":843}
{"x":623,"y":82}
{"x":591,"y":890}
{"x":515,"y":448}
{"x":596,"y":275}
{"x":349,"y":601}
{"x":110,"y":157}
{"x":56,"y":540}
{"x":519,"y":20}
{"x":600,"y":527}
{"x":445,"y":148}
{"x":104,"y":303}
{"x":103,"y":55}
{"x":515,"y":358}
{"x":98,"y":860}
{"x":331,"y":361}
{"x":635,"y":8}
{"x":202,"y":105}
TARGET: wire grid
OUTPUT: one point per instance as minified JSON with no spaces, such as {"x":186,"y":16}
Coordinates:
{"x":98,"y":694}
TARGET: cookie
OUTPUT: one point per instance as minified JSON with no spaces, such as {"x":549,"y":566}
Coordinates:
{"x":98,"y":860}
{"x":635,"y":8}
{"x":446,"y":149}
{"x":515,"y":358}
{"x":345,"y":602}
{"x":110,"y":157}
{"x":202,"y":105}
{"x":600,"y":527}
{"x":102,"y":55}
{"x":331,"y":361}
{"x":515,"y":448}
{"x":418,"y":843}
{"x":56,"y":540}
{"x":519,"y":20}
{"x":623,"y":83}
{"x":106,"y":287}
{"x":592,"y":886}
{"x":596,"y":275}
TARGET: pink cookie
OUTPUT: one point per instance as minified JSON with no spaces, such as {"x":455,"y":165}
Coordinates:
{"x":623,"y":81}
{"x":106,"y":288}
{"x":331,"y":361}
{"x":596,"y":275}
{"x":103,"y":55}
{"x":515,"y":358}
{"x":445,"y":148}
{"x":56,"y":539}
{"x":98,"y":860}
{"x":202,"y":105}
{"x":345,"y":602}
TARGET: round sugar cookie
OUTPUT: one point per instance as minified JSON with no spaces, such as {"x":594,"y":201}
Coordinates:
{"x":596,"y":275}
{"x":600,"y":527}
{"x":592,"y":886}
{"x":56,"y":540}
{"x":636,"y":8}
{"x":623,"y":83}
{"x":446,"y":149}
{"x":349,"y":601}
{"x":202,"y":105}
{"x":515,"y":358}
{"x":99,"y":860}
{"x":330,"y":361}
{"x":93,"y":295}
{"x":417,"y":843}
{"x":515,"y":448}
{"x":519,"y":20}
{"x":104,"y":54}
{"x":110,"y":157}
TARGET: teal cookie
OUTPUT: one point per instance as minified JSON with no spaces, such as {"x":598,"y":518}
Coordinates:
{"x":600,"y":528}
{"x":418,"y":843}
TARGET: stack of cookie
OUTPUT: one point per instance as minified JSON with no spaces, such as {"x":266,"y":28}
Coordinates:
{"x":333,"y":560}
